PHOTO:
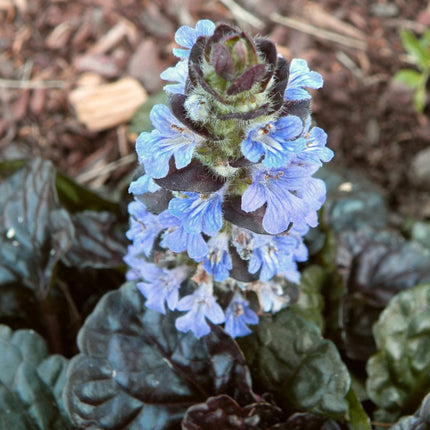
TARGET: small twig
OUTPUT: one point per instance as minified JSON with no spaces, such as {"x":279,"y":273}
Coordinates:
{"x":349,"y":64}
{"x":31,"y":85}
{"x":318,"y":32}
{"x":405,"y":23}
{"x":108,"y":168}
{"x":242,"y":15}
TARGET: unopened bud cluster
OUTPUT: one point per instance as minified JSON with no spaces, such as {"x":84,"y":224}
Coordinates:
{"x":227,"y":192}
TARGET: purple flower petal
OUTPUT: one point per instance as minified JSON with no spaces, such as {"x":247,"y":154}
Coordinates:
{"x":186,"y":36}
{"x":200,"y":305}
{"x":198,"y":212}
{"x":277,"y":142}
{"x":290,"y":193}
{"x":301,"y":77}
{"x":238,"y":315}
{"x":161,"y":286}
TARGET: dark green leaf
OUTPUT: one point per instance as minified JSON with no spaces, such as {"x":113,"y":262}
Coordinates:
{"x":289,"y":358}
{"x":19,"y":307}
{"x":31,"y":383}
{"x":137,"y":371}
{"x":96,"y":243}
{"x":419,"y":421}
{"x":420,"y":232}
{"x":76,"y":198}
{"x":375,"y":267}
{"x":352,"y":201}
{"x":399,"y":374}
{"x":34,"y":231}
{"x":10,"y":166}
{"x":311,"y":302}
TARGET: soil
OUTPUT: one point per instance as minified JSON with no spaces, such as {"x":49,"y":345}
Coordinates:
{"x":48,"y":48}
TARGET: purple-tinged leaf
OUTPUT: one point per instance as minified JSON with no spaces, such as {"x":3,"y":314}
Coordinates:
{"x":96,"y":244}
{"x":251,"y":220}
{"x":158,"y":201}
{"x":247,"y":80}
{"x":195,"y":177}
{"x":35,"y":232}
{"x":136,"y":370}
{"x":222,"y":412}
{"x":268,"y":49}
{"x":222,"y":61}
{"x":305,"y":373}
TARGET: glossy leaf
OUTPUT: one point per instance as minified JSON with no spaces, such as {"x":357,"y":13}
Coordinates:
{"x":311,"y":302}
{"x":35,"y":232}
{"x":399,"y":374}
{"x":136,"y":370}
{"x":96,"y":243}
{"x":419,"y":421}
{"x":352,"y":201}
{"x":375,"y":267}
{"x":76,"y":198}
{"x":289,"y":357}
{"x":31,"y":383}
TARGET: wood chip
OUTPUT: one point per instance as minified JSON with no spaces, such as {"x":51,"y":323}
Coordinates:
{"x":105,"y":106}
{"x":124,"y":28}
{"x":315,"y":14}
{"x":6,"y":5}
{"x":60,"y":35}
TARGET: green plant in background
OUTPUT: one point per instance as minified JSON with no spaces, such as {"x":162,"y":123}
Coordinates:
{"x":419,"y":53}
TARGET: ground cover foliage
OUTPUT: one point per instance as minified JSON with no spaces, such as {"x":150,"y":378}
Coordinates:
{"x":78,"y":348}
{"x":320,"y":362}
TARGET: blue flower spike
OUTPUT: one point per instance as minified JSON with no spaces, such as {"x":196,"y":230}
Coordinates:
{"x":238,"y":315}
{"x":228,"y":191}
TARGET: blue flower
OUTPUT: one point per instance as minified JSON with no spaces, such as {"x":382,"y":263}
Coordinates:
{"x":301,"y":77}
{"x":218,"y":261}
{"x":198,"y":212}
{"x":178,"y":240}
{"x":272,"y":255}
{"x":200,"y":305}
{"x":315,"y":151}
{"x":142,"y":185}
{"x":277,"y":141}
{"x":144,"y":227}
{"x":134,"y":262}
{"x":271,"y":296}
{"x":161,"y":286}
{"x":288,"y":200}
{"x":179,"y":74}
{"x":237,"y":315}
{"x":187,"y":36}
{"x":170,"y":138}
{"x":242,"y":239}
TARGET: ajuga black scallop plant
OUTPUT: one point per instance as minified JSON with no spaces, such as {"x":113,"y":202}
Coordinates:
{"x":227,"y":192}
